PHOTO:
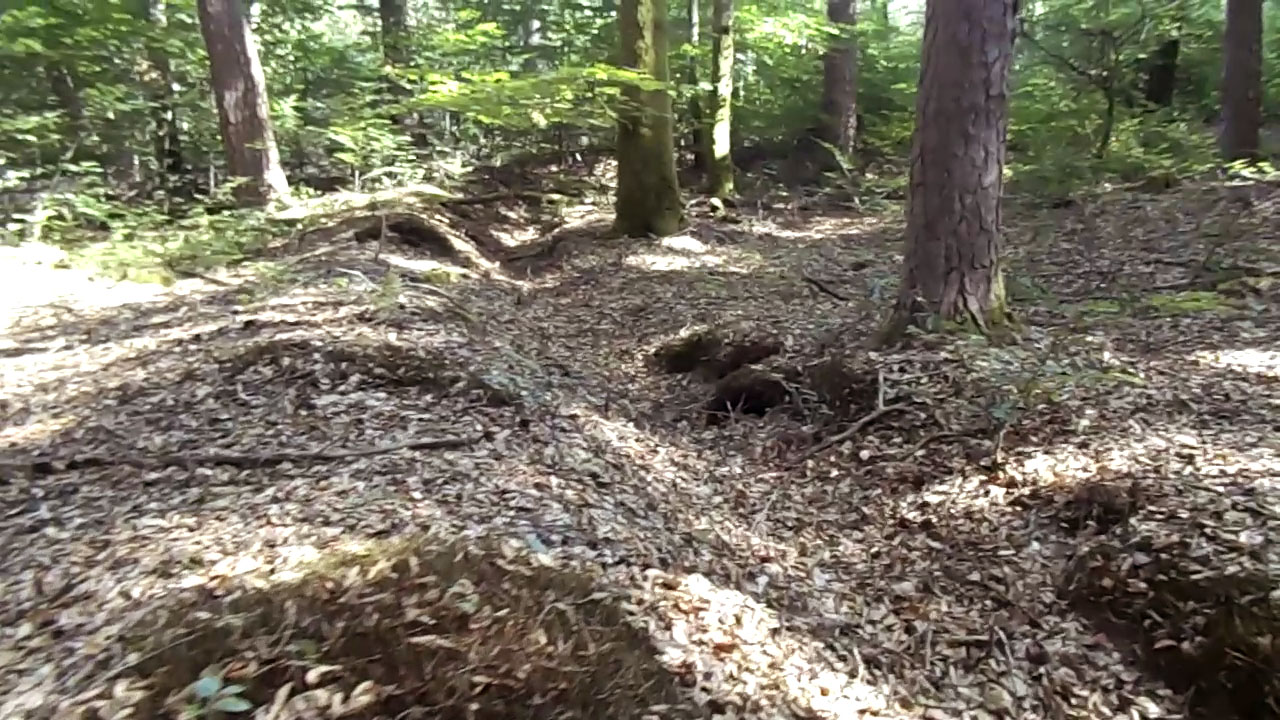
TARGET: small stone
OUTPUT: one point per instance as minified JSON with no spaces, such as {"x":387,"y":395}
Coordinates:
{"x":1147,"y":708}
{"x":997,"y":699}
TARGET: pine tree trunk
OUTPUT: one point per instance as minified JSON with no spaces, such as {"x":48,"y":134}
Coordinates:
{"x":838,"y":124}
{"x":240,"y":90}
{"x":720,"y":179}
{"x":648,"y":192}
{"x":1242,"y":80}
{"x":951,"y":269}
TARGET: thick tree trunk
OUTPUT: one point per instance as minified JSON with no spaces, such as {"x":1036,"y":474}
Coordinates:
{"x":166,"y":137}
{"x":838,"y":123}
{"x":648,"y":192}
{"x":240,"y":91}
{"x":1242,"y":80}
{"x":698,"y":133}
{"x":720,"y":178}
{"x":1162,"y":73}
{"x":951,"y":269}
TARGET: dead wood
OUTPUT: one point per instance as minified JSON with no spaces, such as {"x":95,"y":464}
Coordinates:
{"x":825,"y":289}
{"x":241,"y":460}
{"x":432,"y":232}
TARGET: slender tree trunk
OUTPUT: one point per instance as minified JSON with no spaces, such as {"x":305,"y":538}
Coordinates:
{"x":240,"y":92}
{"x":648,"y":192}
{"x":64,"y":89}
{"x":394,"y":27}
{"x":1162,"y":73}
{"x":1242,"y":80}
{"x":531,"y":36}
{"x":1108,"y":123}
{"x":720,"y":179}
{"x":697,"y":135}
{"x":166,"y":136}
{"x":838,"y":124}
{"x":951,"y":269}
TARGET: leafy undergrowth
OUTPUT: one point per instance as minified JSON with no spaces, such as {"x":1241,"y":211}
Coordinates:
{"x":709,"y":482}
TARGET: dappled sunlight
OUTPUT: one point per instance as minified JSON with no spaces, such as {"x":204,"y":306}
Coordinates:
{"x":1250,"y":360}
{"x":744,"y":656}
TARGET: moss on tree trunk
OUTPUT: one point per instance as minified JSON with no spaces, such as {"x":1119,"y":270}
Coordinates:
{"x":648,"y":192}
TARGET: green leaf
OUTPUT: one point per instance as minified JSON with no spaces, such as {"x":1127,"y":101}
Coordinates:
{"x":231,"y":704}
{"x":207,"y":686}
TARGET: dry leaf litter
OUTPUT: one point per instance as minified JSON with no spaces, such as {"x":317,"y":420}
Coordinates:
{"x":366,"y":492}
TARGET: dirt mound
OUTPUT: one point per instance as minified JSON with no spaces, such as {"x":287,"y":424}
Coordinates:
{"x":452,"y":631}
{"x":712,"y":355}
{"x":1206,"y":627}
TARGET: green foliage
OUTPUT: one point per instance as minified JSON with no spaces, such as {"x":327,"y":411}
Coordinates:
{"x":91,"y":84}
{"x":210,"y":697}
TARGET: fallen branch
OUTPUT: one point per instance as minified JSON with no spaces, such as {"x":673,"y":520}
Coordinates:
{"x":855,"y":428}
{"x":242,"y":460}
{"x":823,"y":288}
{"x":526,"y":195}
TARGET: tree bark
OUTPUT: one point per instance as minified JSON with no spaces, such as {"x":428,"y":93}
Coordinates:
{"x":240,"y":91}
{"x":1242,"y":80}
{"x":838,"y":123}
{"x":648,"y":199}
{"x":720,"y":179}
{"x":951,"y":268}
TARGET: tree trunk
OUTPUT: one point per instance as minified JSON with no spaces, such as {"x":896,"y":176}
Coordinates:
{"x":240,"y":91}
{"x":166,"y":136}
{"x":394,"y":27}
{"x":838,"y":124}
{"x":951,"y":268}
{"x":531,"y":37}
{"x":720,"y":179}
{"x":648,"y":192}
{"x":67,"y":94}
{"x":1242,"y":80}
{"x":1162,"y":73}
{"x":697,"y":135}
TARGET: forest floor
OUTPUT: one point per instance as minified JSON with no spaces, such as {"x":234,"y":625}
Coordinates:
{"x":470,"y":489}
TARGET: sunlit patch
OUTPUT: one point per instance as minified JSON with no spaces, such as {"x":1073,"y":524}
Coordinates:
{"x":1251,"y":360}
{"x":744,"y":657}
{"x":655,"y":261}
{"x":684,"y":243}
{"x":34,"y":434}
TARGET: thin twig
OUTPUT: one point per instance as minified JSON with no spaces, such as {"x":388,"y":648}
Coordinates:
{"x":931,"y":437}
{"x":824,"y":288}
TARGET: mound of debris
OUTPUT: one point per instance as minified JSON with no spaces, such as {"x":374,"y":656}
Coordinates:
{"x":452,"y":631}
{"x":1194,"y":592}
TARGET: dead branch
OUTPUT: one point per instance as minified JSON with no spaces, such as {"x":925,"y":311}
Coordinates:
{"x":855,"y":428}
{"x":526,"y":195}
{"x":824,"y":288}
{"x":242,"y":460}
